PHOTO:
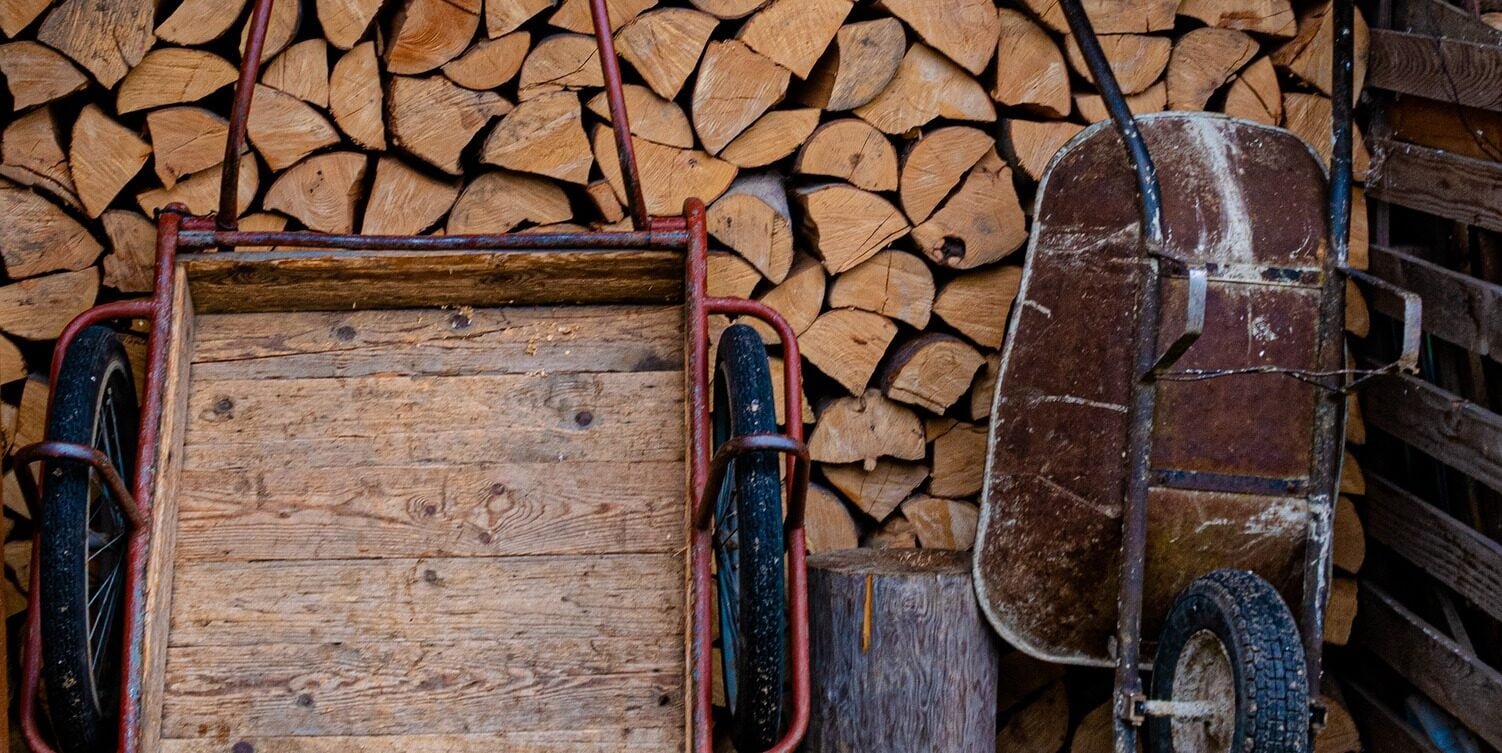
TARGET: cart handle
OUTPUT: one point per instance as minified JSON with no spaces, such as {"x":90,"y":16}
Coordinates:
{"x":70,"y":452}
{"x":746,"y":444}
{"x":250,"y":68}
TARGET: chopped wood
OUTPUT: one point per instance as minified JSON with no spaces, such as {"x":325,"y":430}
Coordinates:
{"x":1349,"y":550}
{"x":798,"y":299}
{"x":652,"y":117}
{"x":543,"y":135}
{"x":302,"y":71}
{"x":404,"y":201}
{"x":896,"y":533}
{"x":942,"y":523}
{"x":200,"y":191}
{"x":730,"y":276}
{"x":734,"y":87}
{"x":846,"y":225}
{"x":863,"y":61}
{"x":490,"y":62}
{"x":185,"y":140}
{"x":31,"y":153}
{"x":356,"y":98}
{"x":284,"y":129}
{"x":983,"y":392}
{"x":977,"y":303}
{"x":1030,"y":69}
{"x":345,"y":22}
{"x":795,"y":33}
{"x":752,"y":218}
{"x":1255,"y":96}
{"x":16,"y":15}
{"x":1033,"y":144}
{"x":1358,"y":320}
{"x":1339,"y":733}
{"x":1273,"y":18}
{"x":931,"y":371}
{"x":132,"y":256}
{"x":1340,"y":610}
{"x":12,"y":368}
{"x":847,"y":344}
{"x":321,"y":192}
{"x":1111,"y":16}
{"x":827,"y":524}
{"x":1136,"y":59}
{"x":1308,"y":117}
{"x":1352,"y":480}
{"x":281,"y":28}
{"x":504,"y":17}
{"x":773,"y":136}
{"x":105,"y":37}
{"x":959,"y":461}
{"x":38,"y":236}
{"x":1152,"y":99}
{"x":864,"y":428}
{"x":896,"y":284}
{"x":607,"y":204}
{"x":171,"y":76}
{"x":981,"y":223}
{"x":434,"y":119}
{"x":935,"y":164}
{"x":36,"y":74}
{"x":574,"y":15}
{"x":1355,"y":424}
{"x":779,"y":375}
{"x":1093,"y":734}
{"x":729,"y":9}
{"x":104,"y":157}
{"x":1307,"y":57}
{"x":851,"y":150}
{"x":927,"y":86}
{"x":496,"y":202}
{"x":964,"y":30}
{"x":878,"y":491}
{"x":1041,"y":726}
{"x":30,"y":421}
{"x":664,"y":46}
{"x":425,"y":34}
{"x":39,"y":308}
{"x":1203,"y":61}
{"x":670,"y":176}
{"x":561,"y":61}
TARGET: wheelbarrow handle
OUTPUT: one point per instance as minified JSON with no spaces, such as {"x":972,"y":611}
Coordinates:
{"x":1387,"y":296}
{"x":1194,"y":318}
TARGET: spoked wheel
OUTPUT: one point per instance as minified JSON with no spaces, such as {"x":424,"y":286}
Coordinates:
{"x":1230,"y":652}
{"x":84,"y":538}
{"x":748,"y":546}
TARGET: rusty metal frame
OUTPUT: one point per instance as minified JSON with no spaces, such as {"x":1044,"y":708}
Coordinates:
{"x":177,"y":229}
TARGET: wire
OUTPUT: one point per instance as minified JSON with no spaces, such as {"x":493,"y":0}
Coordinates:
{"x":1308,"y":376}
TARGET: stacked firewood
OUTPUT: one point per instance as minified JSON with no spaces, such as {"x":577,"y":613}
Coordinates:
{"x":870,"y":169}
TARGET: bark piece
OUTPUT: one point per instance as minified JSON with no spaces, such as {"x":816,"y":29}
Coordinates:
{"x":1030,"y":69}
{"x":543,"y":135}
{"x":200,"y":191}
{"x":670,"y":176}
{"x":31,"y":154}
{"x":734,"y":87}
{"x":864,"y":428}
{"x":105,"y":37}
{"x":981,"y":223}
{"x":185,"y":140}
{"x":491,"y":62}
{"x":977,"y":303}
{"x":1308,"y":56}
{"x":302,"y":71}
{"x":847,"y":344}
{"x":877,"y":492}
{"x":284,"y":129}
{"x":355,"y":97}
{"x":497,"y":202}
{"x":132,"y":237}
{"x":827,"y":524}
{"x":171,"y":76}
{"x":104,"y":157}
{"x":1034,"y":143}
{"x":1152,"y":99}
{"x":795,"y":33}
{"x":37,"y":75}
{"x":1271,"y":17}
{"x":864,"y":60}
{"x":729,"y":9}
{"x":505,"y":16}
{"x":773,"y":136}
{"x":321,"y":192}
{"x":39,"y":308}
{"x":896,"y":284}
{"x":1111,"y":16}
{"x":561,"y":61}
{"x":752,"y":218}
{"x":942,"y":523}
{"x":927,"y":86}
{"x":1203,"y":61}
{"x":434,"y":119}
{"x":851,"y":150}
{"x":935,"y":164}
{"x":959,"y":461}
{"x":38,"y":236}
{"x":931,"y":371}
{"x":428,"y":33}
{"x":1136,"y":59}
{"x":16,"y":15}
{"x":964,"y":30}
{"x":652,"y":117}
{"x":404,"y":201}
{"x":574,"y":15}
{"x":798,"y":299}
{"x":1255,"y":95}
{"x":664,"y":46}
{"x":1308,"y":117}
{"x":846,"y":225}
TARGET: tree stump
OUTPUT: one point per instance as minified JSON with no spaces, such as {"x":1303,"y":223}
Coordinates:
{"x":902,"y":659}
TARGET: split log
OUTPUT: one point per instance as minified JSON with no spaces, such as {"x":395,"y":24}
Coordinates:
{"x":794,"y":33}
{"x":851,"y":150}
{"x":132,"y":256}
{"x":777,"y":365}
{"x":1025,"y":676}
{"x":1255,"y":96}
{"x":1033,"y":144}
{"x":322,"y":192}
{"x":846,"y":225}
{"x":942,"y":523}
{"x":39,"y":308}
{"x":1352,"y":480}
{"x":302,"y":71}
{"x":652,"y":117}
{"x":1358,"y":320}
{"x":1355,"y":424}
{"x":977,"y":303}
{"x":879,"y":491}
{"x":574,"y":15}
{"x":827,"y":524}
{"x":1340,"y":610}
{"x":981,"y":223}
{"x":983,"y":392}
{"x":1273,"y":18}
{"x":31,"y":153}
{"x":1339,"y":735}
{"x":1030,"y":69}
{"x":16,"y":15}
{"x":404,"y":201}
{"x":1350,"y":537}
{"x":543,"y":135}
{"x":199,"y":192}
{"x":1136,"y":59}
{"x":425,"y":34}
{"x":491,"y":62}
{"x":730,"y":276}
{"x":105,"y":37}
{"x":865,"y":428}
{"x":36,"y":75}
{"x":964,"y":30}
{"x":752,"y":218}
{"x":1111,"y":16}
{"x":773,"y":136}
{"x":355,"y":97}
{"x":847,"y":344}
{"x":433,"y":119}
{"x":670,"y":176}
{"x":30,"y":423}
{"x":610,"y":209}
{"x":1308,"y":117}
{"x":345,"y":22}
{"x":896,"y":284}
{"x":896,"y":533}
{"x":894,"y":632}
{"x":12,"y":369}
{"x":862,"y":62}
{"x":281,"y":28}
{"x":504,"y":17}
{"x":1203,"y":61}
{"x":104,"y":157}
{"x":1042,"y":726}
{"x":284,"y":129}
{"x":935,"y":164}
{"x":729,"y":9}
{"x":561,"y":61}
{"x":927,"y":86}
{"x":959,"y":461}
{"x":173,"y":76}
{"x":497,"y":202}
{"x":734,"y":87}
{"x":1094,"y":732}
{"x":931,"y":371}
{"x":1308,"y":56}
{"x":664,"y":46}
{"x":185,"y":140}
{"x":39,"y":237}
{"x":798,"y":298}
{"x":1152,"y":99}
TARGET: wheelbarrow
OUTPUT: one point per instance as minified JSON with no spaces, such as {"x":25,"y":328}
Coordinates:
{"x":391,"y":493}
{"x":1167,"y":432}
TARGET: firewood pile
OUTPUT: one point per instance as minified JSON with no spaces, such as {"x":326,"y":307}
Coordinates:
{"x":869,"y":167}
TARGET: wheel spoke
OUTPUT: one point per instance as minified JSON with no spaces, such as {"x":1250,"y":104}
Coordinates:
{"x":100,"y":638}
{"x":106,"y":546}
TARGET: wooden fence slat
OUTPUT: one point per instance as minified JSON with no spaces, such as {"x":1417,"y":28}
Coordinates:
{"x":1447,"y":549}
{"x":1452,"y":430}
{"x":1437,"y":18}
{"x":1458,"y":308}
{"x":1462,"y":72}
{"x":1437,"y":182}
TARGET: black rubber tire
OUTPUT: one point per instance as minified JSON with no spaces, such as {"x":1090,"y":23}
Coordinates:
{"x":82,"y":697}
{"x":1266,"y":656}
{"x":753,"y":496}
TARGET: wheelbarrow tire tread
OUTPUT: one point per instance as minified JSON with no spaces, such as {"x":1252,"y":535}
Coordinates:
{"x":1266,"y":654}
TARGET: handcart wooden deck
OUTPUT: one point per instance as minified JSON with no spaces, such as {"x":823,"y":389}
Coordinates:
{"x":418,"y":494}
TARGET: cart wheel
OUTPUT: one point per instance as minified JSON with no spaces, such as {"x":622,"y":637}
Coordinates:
{"x":1230,"y":645}
{"x":748,"y":546}
{"x":83,"y":544}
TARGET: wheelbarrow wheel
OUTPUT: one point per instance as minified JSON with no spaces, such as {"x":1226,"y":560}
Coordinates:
{"x":1230,"y":648}
{"x":748,"y":545}
{"x":84,"y":537}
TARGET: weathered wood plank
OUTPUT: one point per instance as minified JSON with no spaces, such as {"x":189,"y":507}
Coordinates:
{"x":284,"y":513}
{"x":1448,"y":550}
{"x":1459,"y":308}
{"x":1437,"y":18}
{"x":445,"y":688}
{"x":1452,"y":430}
{"x":1443,"y":184}
{"x":1465,"y":73}
{"x":628,"y":739}
{"x":1436,"y":665}
{"x":517,"y":340}
{"x":1382,"y":730}
{"x":605,"y":597}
